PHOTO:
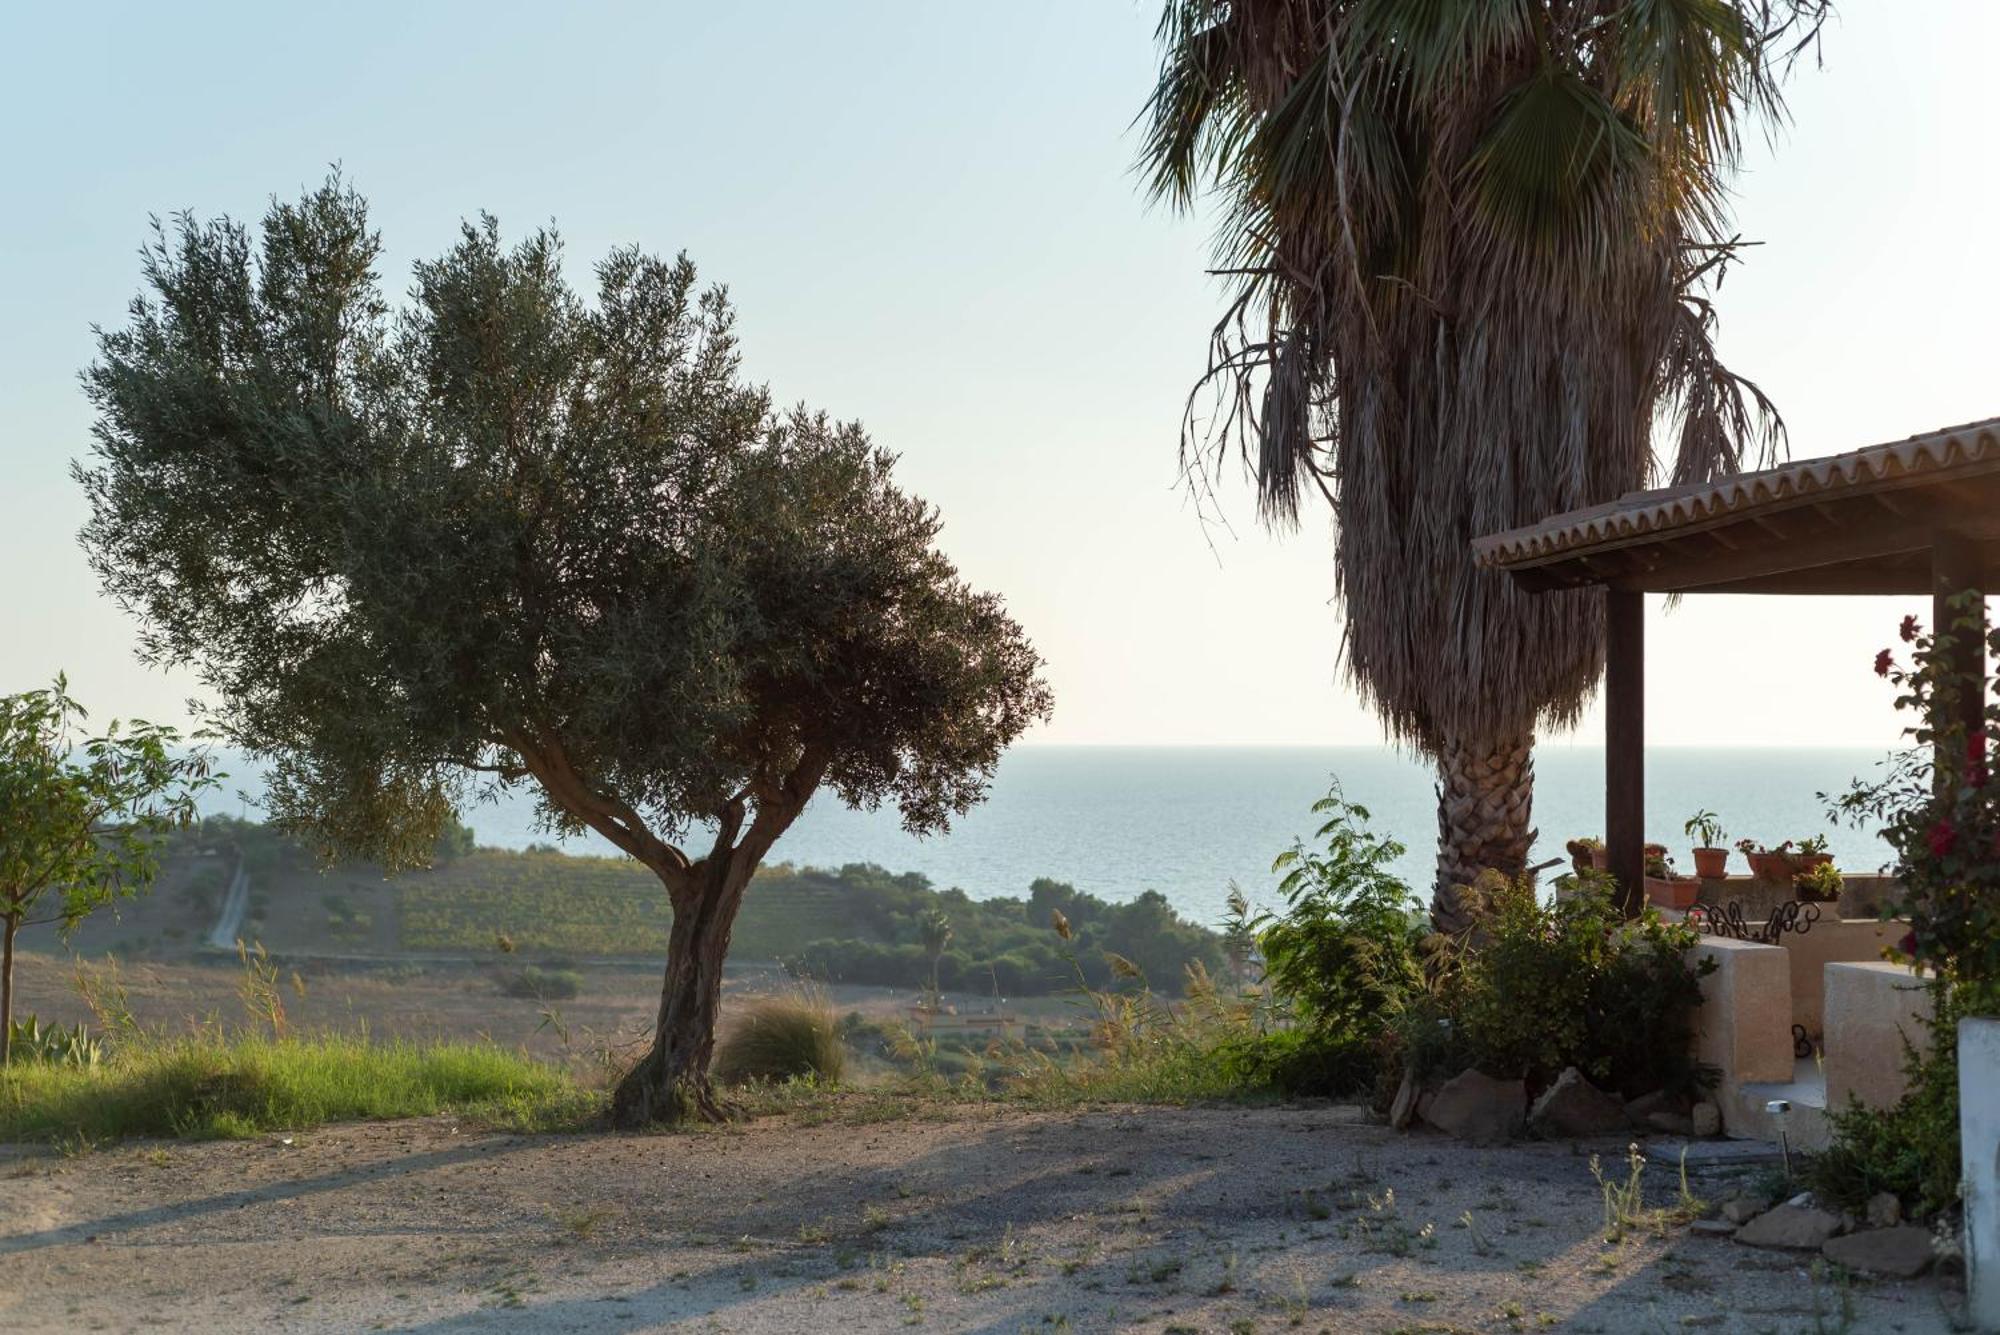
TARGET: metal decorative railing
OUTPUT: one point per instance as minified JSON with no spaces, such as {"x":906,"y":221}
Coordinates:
{"x":1794,"y":916}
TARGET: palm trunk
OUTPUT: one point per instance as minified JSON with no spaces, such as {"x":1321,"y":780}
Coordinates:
{"x":671,"y":1084}
{"x":8,"y":928}
{"x":1485,"y":800}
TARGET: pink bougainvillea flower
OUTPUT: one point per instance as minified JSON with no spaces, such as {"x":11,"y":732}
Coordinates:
{"x":1942,"y":838}
{"x":1909,"y":629}
{"x":1883,"y":662}
{"x":1908,"y":945}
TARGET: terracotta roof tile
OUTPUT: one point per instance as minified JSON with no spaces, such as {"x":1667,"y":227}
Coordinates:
{"x":1639,"y":513}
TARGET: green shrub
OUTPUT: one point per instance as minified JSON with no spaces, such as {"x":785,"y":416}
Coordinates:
{"x":782,"y":1038}
{"x":542,"y":984}
{"x":1345,"y":951}
{"x":1566,"y":983}
{"x":33,"y":1041}
{"x":1300,"y":1063}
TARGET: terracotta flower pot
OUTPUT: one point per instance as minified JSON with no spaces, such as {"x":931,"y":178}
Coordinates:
{"x":1772,"y":866}
{"x":1711,"y":864}
{"x":1600,"y":858}
{"x":1678,"y":893}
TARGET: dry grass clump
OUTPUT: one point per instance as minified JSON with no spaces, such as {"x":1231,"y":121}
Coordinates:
{"x":782,"y":1038}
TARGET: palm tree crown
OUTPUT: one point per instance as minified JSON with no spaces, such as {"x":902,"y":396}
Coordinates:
{"x":1472,"y":244}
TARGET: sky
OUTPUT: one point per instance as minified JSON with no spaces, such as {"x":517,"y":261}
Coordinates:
{"x":926,"y":215}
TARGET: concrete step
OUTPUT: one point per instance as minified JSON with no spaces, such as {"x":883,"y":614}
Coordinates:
{"x":1746,"y":1111}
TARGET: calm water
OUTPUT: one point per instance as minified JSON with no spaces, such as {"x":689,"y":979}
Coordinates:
{"x":1188,"y":821}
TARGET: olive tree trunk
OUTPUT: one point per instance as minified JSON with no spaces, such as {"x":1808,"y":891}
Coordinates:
{"x":671,"y":1083}
{"x":1485,"y":800}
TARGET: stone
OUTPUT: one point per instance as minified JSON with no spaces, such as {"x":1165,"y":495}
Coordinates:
{"x":1670,"y":1123}
{"x":1403,"y":1110}
{"x":1639,"y":1111}
{"x":1790,"y":1227}
{"x":1713,"y":1228}
{"x":1707,"y":1119}
{"x":1885,"y":1210}
{"x":1572,"y":1106}
{"x":1478,"y":1109}
{"x":1893,"y":1253}
{"x":1742,"y":1209}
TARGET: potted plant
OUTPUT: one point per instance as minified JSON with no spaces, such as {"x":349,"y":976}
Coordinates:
{"x":1588,"y":854}
{"x":1711,"y":857}
{"x":1768,"y":864}
{"x":1810,"y":853}
{"x":1665,"y":887}
{"x":1818,"y":884}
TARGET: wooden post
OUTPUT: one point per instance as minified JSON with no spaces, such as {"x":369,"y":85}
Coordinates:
{"x":1956,"y":566}
{"x":1625,"y":744}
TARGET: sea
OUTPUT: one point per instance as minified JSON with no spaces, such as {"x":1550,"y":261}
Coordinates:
{"x":1190,"y":822}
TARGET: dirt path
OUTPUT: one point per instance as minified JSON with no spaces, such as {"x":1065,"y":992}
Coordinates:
{"x":986,"y":1220}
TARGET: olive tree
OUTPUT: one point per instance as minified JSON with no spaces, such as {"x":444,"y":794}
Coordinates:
{"x":80,"y":816}
{"x":507,"y":535}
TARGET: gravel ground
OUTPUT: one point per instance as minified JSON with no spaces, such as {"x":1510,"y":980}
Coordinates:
{"x":986,"y":1219}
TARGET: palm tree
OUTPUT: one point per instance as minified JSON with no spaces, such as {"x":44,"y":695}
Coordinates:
{"x":1472,"y":246}
{"x":934,"y":929}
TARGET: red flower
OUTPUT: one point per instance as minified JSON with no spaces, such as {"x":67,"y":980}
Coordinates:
{"x":1909,"y":629}
{"x":1883,"y":662}
{"x":1943,"y":838}
{"x":1908,"y":945}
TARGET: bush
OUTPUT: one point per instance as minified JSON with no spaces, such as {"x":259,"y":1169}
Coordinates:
{"x":1300,"y":1063}
{"x":542,"y":984}
{"x":1345,"y":953}
{"x":33,"y":1041}
{"x":1568,"y":983}
{"x":782,"y":1038}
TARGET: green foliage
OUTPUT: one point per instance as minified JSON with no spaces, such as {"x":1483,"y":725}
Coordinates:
{"x":209,"y":1087}
{"x":81,"y":817}
{"x":507,"y":533}
{"x":859,"y":924}
{"x":1345,"y":951}
{"x":32,"y":1041}
{"x":1566,"y":983}
{"x":1821,"y":883}
{"x":542,"y":983}
{"x":782,"y":1038}
{"x":1705,"y":827}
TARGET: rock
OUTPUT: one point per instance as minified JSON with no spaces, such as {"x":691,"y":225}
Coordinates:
{"x":1403,"y":1110}
{"x":1742,"y":1209}
{"x":1707,"y":1119}
{"x":1572,"y":1106}
{"x":1713,"y":1228}
{"x":1479,"y":1109}
{"x":1638,"y":1111}
{"x":1885,"y":1210}
{"x":1804,"y":1200}
{"x":1670,"y":1123}
{"x":1895,"y":1253}
{"x":1792,"y":1227}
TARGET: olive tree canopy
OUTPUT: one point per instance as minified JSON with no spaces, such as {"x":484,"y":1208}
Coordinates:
{"x":506,"y":534}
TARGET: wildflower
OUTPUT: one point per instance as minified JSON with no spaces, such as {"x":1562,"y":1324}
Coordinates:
{"x":1909,"y":629}
{"x":1883,"y":662}
{"x":1943,"y":838}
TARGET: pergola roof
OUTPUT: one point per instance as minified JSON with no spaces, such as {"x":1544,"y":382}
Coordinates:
{"x":1862,"y":522}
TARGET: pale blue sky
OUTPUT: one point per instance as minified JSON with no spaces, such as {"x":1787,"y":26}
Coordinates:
{"x":925,"y":213}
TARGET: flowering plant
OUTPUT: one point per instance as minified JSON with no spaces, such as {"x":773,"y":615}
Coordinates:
{"x":1936,"y":806}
